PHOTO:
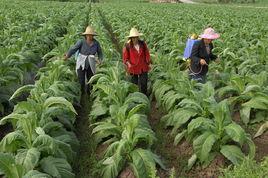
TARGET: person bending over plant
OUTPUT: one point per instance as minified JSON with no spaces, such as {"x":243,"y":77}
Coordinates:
{"x":201,"y":55}
{"x":89,"y":53}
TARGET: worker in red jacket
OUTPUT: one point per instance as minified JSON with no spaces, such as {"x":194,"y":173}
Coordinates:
{"x":136,"y":57}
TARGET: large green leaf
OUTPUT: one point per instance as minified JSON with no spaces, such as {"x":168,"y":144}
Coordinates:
{"x":25,"y":88}
{"x":228,"y":90}
{"x":192,"y":161}
{"x":143,"y":163}
{"x":221,"y":112}
{"x":46,"y":144}
{"x":112,"y":166}
{"x":233,"y":153}
{"x":51,"y":127}
{"x":197,"y":123}
{"x":262,"y":129}
{"x":56,"y":167}
{"x":258,"y":102}
{"x":160,"y":94}
{"x":13,"y":118}
{"x":29,"y":158}
{"x":9,"y":167}
{"x":207,"y":146}
{"x":245,"y":114}
{"x":252,"y":88}
{"x":138,"y":98}
{"x":59,"y":101}
{"x":202,"y":145}
{"x":171,"y":101}
{"x":252,"y":147}
{"x":180,"y":117}
{"x":136,"y":109}
{"x":13,"y":141}
{"x":190,"y":103}
{"x":65,"y":150}
{"x":98,"y":109}
{"x":144,"y":134}
{"x":36,"y":174}
{"x":236,"y":133}
{"x":105,"y":129}
{"x":102,"y":126}
{"x":179,"y":136}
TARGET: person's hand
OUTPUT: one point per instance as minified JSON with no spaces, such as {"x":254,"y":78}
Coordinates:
{"x":128,"y":64}
{"x":203,"y":62}
{"x":98,"y":62}
{"x":65,"y":57}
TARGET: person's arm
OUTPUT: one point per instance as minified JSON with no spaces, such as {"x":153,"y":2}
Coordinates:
{"x":73,"y":49}
{"x":126,"y":56}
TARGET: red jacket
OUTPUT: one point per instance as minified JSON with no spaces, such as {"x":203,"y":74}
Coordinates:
{"x":139,"y":61}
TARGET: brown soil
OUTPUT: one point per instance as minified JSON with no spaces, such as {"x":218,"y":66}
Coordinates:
{"x":100,"y":150}
{"x":236,"y":117}
{"x":5,"y":129}
{"x":261,"y":143}
{"x":127,"y":173}
{"x":176,"y":157}
{"x":212,"y":171}
{"x":109,"y":28}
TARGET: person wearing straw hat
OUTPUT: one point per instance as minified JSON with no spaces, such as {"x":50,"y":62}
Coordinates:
{"x":89,"y":53}
{"x":201,"y":55}
{"x":136,"y":57}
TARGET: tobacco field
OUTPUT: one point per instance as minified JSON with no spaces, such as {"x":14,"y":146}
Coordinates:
{"x":48,"y":129}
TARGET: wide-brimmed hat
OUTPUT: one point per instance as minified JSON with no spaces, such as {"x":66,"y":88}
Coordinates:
{"x":209,"y":33}
{"x":134,"y":33}
{"x":89,"y":31}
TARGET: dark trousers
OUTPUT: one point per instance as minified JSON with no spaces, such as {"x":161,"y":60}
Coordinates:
{"x":141,"y":81}
{"x":198,"y":77}
{"x":82,"y":74}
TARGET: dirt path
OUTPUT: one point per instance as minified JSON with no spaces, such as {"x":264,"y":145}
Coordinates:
{"x":256,"y":7}
{"x":112,"y":36}
{"x":170,"y":155}
{"x":85,"y":163}
{"x":187,"y":1}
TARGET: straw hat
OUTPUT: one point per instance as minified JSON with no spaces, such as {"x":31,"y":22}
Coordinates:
{"x":89,"y":31}
{"x":134,"y":33}
{"x":210,"y":33}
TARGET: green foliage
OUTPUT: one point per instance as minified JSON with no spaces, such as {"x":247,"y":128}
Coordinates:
{"x":201,"y":113}
{"x":22,"y":51}
{"x":43,"y":143}
{"x":9,"y":167}
{"x":248,"y":168}
{"x":56,"y":167}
